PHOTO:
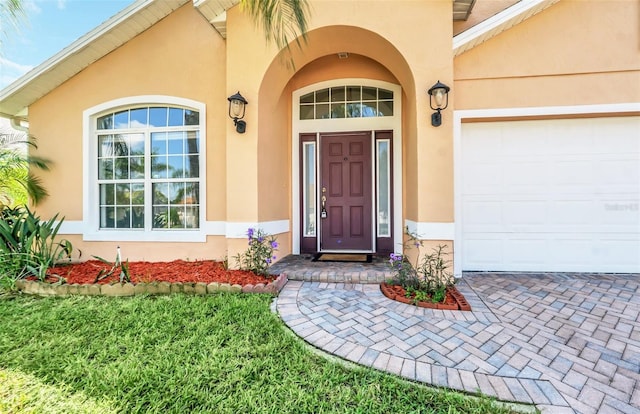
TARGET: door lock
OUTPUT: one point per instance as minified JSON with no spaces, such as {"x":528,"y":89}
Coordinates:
{"x":323,"y":212}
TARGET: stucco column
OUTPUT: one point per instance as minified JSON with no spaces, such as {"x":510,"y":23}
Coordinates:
{"x":247,"y":58}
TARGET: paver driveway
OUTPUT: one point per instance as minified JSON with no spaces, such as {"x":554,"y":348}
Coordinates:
{"x":565,"y":342}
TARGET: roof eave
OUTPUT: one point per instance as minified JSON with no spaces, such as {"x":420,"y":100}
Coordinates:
{"x":16,"y":98}
{"x":498,"y":23}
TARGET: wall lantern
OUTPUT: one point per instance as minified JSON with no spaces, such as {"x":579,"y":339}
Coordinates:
{"x":237,"y":105}
{"x":438,"y":95}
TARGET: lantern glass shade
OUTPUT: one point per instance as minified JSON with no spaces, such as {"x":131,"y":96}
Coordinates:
{"x":237,"y":105}
{"x":438,"y":96}
{"x":236,"y":108}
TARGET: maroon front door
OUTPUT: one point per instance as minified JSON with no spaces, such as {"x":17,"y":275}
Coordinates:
{"x":345,"y":192}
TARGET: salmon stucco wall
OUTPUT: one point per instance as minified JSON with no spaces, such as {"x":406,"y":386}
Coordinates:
{"x":180,"y":56}
{"x":582,"y":55}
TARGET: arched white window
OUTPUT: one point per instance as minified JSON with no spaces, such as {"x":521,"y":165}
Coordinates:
{"x":351,"y":101}
{"x":146,"y":170}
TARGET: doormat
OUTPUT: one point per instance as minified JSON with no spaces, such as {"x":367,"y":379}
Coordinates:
{"x":342,"y":257}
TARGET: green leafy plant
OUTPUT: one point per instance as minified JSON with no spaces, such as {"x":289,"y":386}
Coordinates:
{"x":28,"y":245}
{"x":124,"y":275}
{"x":427,"y":277}
{"x":260,"y":253}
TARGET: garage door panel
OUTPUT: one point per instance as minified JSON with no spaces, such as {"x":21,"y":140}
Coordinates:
{"x":483,"y":254}
{"x":551,"y":195}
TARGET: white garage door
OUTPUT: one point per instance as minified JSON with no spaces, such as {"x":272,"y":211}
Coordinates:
{"x":551,"y":195}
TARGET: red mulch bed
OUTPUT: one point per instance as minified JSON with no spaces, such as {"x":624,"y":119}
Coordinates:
{"x":206,"y":271}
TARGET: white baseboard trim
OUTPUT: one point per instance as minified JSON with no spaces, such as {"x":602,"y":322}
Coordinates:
{"x":210,"y":228}
{"x":239,"y":230}
{"x":432,"y":231}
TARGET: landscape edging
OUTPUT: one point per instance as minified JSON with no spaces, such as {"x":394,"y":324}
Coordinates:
{"x":155,"y":288}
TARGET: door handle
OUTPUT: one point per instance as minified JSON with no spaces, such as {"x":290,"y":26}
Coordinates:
{"x":323,"y":212}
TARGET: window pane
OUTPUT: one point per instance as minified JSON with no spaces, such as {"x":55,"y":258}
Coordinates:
{"x":138,"y":118}
{"x":191,"y":117}
{"x":158,"y":117}
{"x":175,"y":142}
{"x":191,"y":195}
{"x":122,"y":119}
{"x":384,"y":193}
{"x":107,"y":194}
{"x":107,"y":217}
{"x":385,"y":94}
{"x":105,"y":169}
{"x":192,"y":166}
{"x":175,"y":166}
{"x":105,"y":122}
{"x":308,"y":98}
{"x":121,"y":168}
{"x":337,"y":110}
{"x":161,"y":193}
{"x":176,"y":216}
{"x":136,"y":166}
{"x":137,"y":194}
{"x":322,"y":111}
{"x":385,"y":108}
{"x":192,"y":217}
{"x":176,"y":193}
{"x":322,"y":95}
{"x":192,"y":143}
{"x":123,"y":194}
{"x":161,"y":217}
{"x":353,"y":93}
{"x":176,"y":117}
{"x":369,"y":109}
{"x":159,"y":167}
{"x":337,"y":94}
{"x":105,"y":145}
{"x":369,"y":94}
{"x":158,"y":143}
{"x":123,"y":217}
{"x":354,"y":110}
{"x":306,"y":112}
{"x":136,"y":144}
{"x":309,"y":189}
{"x":137,"y":218}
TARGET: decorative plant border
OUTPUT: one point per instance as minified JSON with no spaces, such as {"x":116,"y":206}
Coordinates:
{"x":461,"y":301}
{"x":155,"y":288}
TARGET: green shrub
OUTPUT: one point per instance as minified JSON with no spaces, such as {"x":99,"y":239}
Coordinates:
{"x":28,"y":245}
{"x":429,"y":275}
{"x":259,"y":255}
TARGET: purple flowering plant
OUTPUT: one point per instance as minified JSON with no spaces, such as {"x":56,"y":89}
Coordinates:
{"x":260,"y":253}
{"x":428,"y":274}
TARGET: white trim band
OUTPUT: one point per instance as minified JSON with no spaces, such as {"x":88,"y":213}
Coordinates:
{"x":432,"y":231}
{"x":210,"y":228}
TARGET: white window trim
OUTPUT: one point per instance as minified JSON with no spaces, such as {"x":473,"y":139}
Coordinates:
{"x":393,"y":123}
{"x":90,"y":212}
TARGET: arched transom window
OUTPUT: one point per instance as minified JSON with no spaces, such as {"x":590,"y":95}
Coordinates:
{"x":349,"y":101}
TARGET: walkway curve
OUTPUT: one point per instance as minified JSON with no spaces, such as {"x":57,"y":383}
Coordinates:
{"x":566,"y":343}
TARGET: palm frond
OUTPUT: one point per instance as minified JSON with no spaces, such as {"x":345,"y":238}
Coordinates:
{"x":17,"y":181}
{"x":281,"y":20}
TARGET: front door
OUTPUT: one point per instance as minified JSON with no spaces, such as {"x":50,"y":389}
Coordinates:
{"x":346,"y":192}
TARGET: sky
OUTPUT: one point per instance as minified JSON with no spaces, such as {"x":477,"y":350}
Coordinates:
{"x":48,"y":27}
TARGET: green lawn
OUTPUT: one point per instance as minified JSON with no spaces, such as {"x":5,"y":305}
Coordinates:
{"x":224,"y":353}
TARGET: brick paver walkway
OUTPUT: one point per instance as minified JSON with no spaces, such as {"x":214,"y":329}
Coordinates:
{"x":566,"y":343}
